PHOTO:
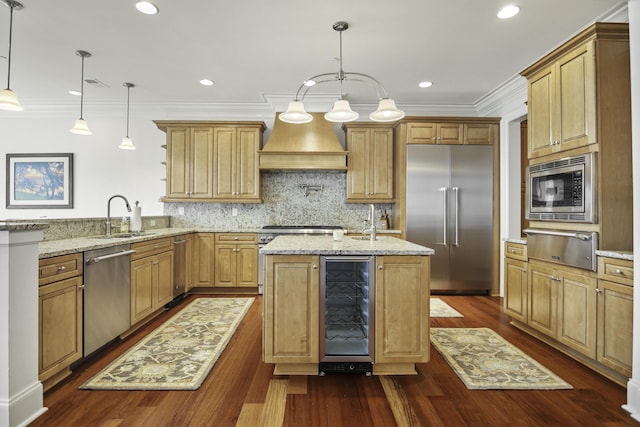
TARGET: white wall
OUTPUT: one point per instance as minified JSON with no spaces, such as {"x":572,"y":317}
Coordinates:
{"x":101,"y":169}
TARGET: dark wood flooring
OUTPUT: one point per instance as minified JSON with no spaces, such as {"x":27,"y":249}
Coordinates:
{"x":241,"y":390}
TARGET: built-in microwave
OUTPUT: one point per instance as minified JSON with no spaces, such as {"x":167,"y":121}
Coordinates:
{"x":563,"y":190}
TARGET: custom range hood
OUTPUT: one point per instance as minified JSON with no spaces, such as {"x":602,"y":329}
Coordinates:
{"x":309,"y":146}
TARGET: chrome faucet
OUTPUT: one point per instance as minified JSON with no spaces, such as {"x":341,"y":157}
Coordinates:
{"x":372,"y":223}
{"x":108,"y":223}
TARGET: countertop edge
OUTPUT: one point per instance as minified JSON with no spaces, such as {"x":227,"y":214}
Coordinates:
{"x":626,"y":255}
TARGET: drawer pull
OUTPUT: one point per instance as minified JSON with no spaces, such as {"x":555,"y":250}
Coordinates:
{"x":620,"y":272}
{"x":62,"y":268}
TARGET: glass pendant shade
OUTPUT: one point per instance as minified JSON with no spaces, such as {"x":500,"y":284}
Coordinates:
{"x":81,"y":128}
{"x":127,"y":144}
{"x":341,"y":112}
{"x":386,"y":112}
{"x":295,"y":114}
{"x":9,"y":101}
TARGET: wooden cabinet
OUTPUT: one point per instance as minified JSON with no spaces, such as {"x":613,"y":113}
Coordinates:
{"x":402,"y":310}
{"x":151,"y":277}
{"x":203,"y":266}
{"x":59,"y":317}
{"x":236,"y":175}
{"x":515,"y":281}
{"x":435,"y":133}
{"x":615,"y":314}
{"x":481,"y":133}
{"x":579,"y":93}
{"x":189,"y":163}
{"x":190,"y":238}
{"x":236,"y":260}
{"x":291,"y":304}
{"x":370,"y":162}
{"x":213,"y":161}
{"x":562,"y":305}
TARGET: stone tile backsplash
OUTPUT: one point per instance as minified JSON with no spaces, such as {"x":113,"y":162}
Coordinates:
{"x":284,"y":203}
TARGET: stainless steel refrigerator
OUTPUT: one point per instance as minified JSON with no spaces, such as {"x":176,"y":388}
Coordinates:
{"x":450,"y":209}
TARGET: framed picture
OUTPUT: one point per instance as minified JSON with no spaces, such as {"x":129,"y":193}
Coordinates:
{"x":40,"y":181}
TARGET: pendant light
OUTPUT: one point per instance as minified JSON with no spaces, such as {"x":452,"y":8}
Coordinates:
{"x":127,"y":143}
{"x":81,"y":127}
{"x":341,"y":112}
{"x":8,"y":98}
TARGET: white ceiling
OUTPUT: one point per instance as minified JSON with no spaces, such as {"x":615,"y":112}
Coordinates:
{"x":255,"y":50}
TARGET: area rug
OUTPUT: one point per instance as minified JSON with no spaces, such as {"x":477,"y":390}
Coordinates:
{"x":179,"y":354}
{"x":484,"y":360}
{"x":440,"y":308}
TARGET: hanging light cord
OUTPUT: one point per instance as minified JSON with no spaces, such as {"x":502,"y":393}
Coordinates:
{"x":341,"y":72}
{"x":9,"y":54}
{"x":128,"y":93}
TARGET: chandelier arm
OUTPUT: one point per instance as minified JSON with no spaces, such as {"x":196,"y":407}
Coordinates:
{"x":302,"y":86}
{"x":382,"y":93}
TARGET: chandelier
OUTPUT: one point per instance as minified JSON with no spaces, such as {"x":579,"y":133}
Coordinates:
{"x":341,"y":112}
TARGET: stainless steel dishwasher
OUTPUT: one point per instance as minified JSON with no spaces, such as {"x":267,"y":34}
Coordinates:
{"x":107,"y":295}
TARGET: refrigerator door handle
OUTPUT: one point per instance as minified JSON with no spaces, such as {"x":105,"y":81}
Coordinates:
{"x":444,"y":215}
{"x":456,"y":240}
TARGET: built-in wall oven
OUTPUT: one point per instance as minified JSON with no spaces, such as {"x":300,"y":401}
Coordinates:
{"x":563,"y":190}
{"x":270,"y":232}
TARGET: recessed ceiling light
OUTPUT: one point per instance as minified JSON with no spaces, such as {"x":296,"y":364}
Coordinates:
{"x":508,"y":11}
{"x":75,"y":92}
{"x":147,"y":7}
{"x":425,"y":84}
{"x":206,"y":82}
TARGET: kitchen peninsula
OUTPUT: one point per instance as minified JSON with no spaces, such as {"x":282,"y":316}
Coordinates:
{"x":386,"y":280}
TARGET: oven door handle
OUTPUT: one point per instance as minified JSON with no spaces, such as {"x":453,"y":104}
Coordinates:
{"x":580,"y":236}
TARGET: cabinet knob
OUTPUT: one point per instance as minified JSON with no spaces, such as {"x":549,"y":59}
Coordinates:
{"x":315,"y":267}
{"x":379,"y":267}
{"x":598,"y":291}
{"x":618,"y":271}
{"x":63,"y":268}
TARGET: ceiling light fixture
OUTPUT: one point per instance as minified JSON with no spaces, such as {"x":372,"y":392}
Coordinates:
{"x":508,"y":11}
{"x":206,"y":82}
{"x":127,"y":143}
{"x":341,"y":112}
{"x":147,"y":7}
{"x":425,"y":84}
{"x":81,"y":127}
{"x":8,"y":98}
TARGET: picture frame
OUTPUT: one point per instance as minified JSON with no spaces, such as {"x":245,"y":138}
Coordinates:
{"x":39,"y":181}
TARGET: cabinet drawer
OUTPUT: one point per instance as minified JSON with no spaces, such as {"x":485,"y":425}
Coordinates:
{"x":616,"y":270}
{"x":236,"y":238}
{"x":151,"y":247}
{"x":58,"y":268}
{"x":515,"y":251}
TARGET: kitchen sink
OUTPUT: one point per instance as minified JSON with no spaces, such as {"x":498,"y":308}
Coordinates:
{"x":364,"y":237}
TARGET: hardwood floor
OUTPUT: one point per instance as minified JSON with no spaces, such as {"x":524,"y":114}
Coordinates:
{"x":241,"y":390}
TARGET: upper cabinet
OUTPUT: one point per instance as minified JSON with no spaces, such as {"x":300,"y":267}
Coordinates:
{"x":579,"y":94}
{"x":452,"y":130}
{"x":370,"y":159}
{"x":212,"y":161}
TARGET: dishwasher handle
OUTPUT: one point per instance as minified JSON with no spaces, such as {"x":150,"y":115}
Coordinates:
{"x":113,"y":255}
{"x":179,"y":242}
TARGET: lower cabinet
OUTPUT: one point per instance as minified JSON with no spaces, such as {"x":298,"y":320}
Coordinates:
{"x":236,"y":260}
{"x":515,"y":289}
{"x":59,"y":317}
{"x":151,"y":277}
{"x":203,"y":266}
{"x":291,"y":314}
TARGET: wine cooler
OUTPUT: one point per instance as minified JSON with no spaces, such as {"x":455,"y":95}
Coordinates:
{"x":346,"y":314}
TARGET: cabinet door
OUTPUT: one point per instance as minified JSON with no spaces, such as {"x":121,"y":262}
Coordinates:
{"x":247,"y":265}
{"x":515,"y":289}
{"x":615,"y":322}
{"x":543,"y":299}
{"x":381,"y":164}
{"x":60,"y":326}
{"x":224,"y":160}
{"x":203,"y":260}
{"x":450,"y":133}
{"x":577,"y":312}
{"x":358,"y":159}
{"x":142,"y":292}
{"x":291,"y":304}
{"x":370,"y":158}
{"x":576,"y":80}
{"x":542,"y":113}
{"x":422,"y":133}
{"x":178,"y":163}
{"x":201,"y":161}
{"x":402,"y":309}
{"x":247,"y":173}
{"x":163,"y":265}
{"x":225,"y":270}
{"x":189,"y":262}
{"x":480,"y":133}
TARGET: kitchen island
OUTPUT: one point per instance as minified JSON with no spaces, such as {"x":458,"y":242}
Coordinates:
{"x":294,"y":306}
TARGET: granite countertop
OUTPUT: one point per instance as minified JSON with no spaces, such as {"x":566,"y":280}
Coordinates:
{"x":627,"y":255}
{"x":519,"y":240}
{"x":22,"y":226}
{"x":325,"y":245}
{"x":51,"y":248}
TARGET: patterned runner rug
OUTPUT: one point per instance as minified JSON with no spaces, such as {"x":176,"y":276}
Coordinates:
{"x":484,"y":360}
{"x":179,"y":354}
{"x":440,"y":308}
